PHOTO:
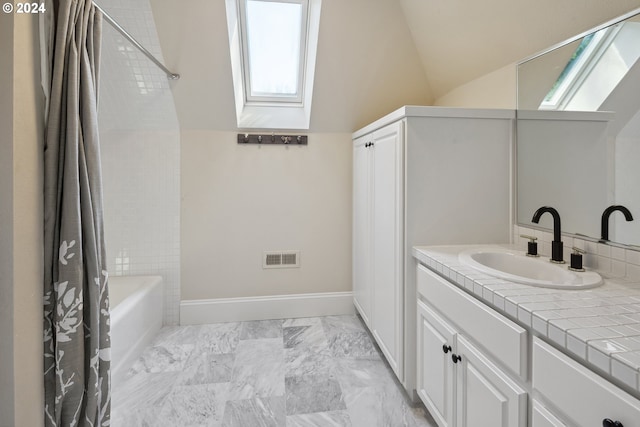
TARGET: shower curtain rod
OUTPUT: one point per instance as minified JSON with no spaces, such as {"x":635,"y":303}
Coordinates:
{"x":171,"y":75}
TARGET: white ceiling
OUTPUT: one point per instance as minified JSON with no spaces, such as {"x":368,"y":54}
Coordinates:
{"x":461,"y":40}
{"x":373,"y":55}
{"x":366,"y":66}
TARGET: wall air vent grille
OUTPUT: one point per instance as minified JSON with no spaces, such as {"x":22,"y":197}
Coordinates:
{"x":272,"y":259}
{"x":281,"y":259}
{"x":290,"y":259}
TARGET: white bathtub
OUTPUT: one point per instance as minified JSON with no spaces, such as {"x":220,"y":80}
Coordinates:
{"x":136,"y":317}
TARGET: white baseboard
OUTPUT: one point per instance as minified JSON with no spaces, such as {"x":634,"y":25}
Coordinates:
{"x":195,"y":312}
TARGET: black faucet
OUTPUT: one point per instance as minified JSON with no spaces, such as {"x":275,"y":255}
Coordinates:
{"x":605,"y":218}
{"x":556,"y":245}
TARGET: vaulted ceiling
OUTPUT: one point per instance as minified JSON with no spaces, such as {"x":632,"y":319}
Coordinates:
{"x":373,"y":55}
{"x":461,"y":40}
{"x":366,"y":63}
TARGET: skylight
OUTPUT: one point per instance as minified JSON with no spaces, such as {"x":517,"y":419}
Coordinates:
{"x":273,"y":46}
{"x":273,"y":43}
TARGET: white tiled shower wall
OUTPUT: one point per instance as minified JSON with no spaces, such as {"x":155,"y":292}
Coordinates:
{"x":140,"y":147}
{"x":613,"y":261}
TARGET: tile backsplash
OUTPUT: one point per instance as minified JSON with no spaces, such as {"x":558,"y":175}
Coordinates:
{"x":140,"y":149}
{"x":612,"y":261}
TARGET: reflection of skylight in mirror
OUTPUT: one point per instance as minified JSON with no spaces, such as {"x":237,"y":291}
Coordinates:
{"x":571,"y":67}
{"x":274,"y":37}
{"x":571,"y":71}
{"x":596,"y":68}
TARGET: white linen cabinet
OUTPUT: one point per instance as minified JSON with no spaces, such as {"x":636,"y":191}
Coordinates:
{"x":377,"y":267}
{"x":422,"y":176}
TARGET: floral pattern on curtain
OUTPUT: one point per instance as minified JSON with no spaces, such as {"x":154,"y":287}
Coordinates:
{"x":76,"y":304}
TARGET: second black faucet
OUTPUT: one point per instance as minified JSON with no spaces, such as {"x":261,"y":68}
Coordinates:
{"x":604,"y":235}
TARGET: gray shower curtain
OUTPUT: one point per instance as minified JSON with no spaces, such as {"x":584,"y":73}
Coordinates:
{"x":76,"y":307}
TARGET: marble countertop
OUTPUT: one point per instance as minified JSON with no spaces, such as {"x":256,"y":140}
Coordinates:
{"x":599,"y":327}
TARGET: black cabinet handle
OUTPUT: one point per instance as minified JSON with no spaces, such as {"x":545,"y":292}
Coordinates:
{"x":608,"y":423}
{"x":446,"y":348}
{"x":455,"y":358}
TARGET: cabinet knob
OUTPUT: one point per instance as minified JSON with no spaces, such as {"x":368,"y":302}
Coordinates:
{"x":446,"y":348}
{"x":608,"y":423}
{"x":456,"y":358}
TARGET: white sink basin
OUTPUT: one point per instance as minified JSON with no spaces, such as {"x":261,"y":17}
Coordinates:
{"x":515,"y":266}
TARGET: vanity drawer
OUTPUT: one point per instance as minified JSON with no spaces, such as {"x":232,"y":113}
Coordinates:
{"x":583,"y":397}
{"x":503,"y":339}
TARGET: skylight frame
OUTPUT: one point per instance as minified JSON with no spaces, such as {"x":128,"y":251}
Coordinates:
{"x":274,"y":99}
{"x":267,"y":114}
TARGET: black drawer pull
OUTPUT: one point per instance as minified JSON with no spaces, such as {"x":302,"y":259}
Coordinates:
{"x":455,"y":358}
{"x":446,"y":348}
{"x":608,"y":423}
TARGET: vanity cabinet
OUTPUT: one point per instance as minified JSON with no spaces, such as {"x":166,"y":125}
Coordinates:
{"x":476,"y":367}
{"x":461,"y":384}
{"x":422,"y":175}
{"x":568,"y":394}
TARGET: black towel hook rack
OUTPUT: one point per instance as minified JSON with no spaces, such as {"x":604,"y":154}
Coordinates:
{"x":249,"y":138}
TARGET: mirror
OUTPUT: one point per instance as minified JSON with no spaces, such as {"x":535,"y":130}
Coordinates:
{"x":578,"y":132}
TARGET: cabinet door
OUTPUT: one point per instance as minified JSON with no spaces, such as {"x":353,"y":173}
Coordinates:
{"x":435,"y":345}
{"x":387,"y":244}
{"x":362,"y":285}
{"x":486,"y":396}
{"x":542,"y":417}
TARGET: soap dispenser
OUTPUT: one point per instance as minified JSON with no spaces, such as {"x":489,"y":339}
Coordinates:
{"x":532,"y":245}
{"x":576,"y":260}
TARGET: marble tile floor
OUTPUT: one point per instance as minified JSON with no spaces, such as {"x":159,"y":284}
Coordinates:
{"x":322,"y":371}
